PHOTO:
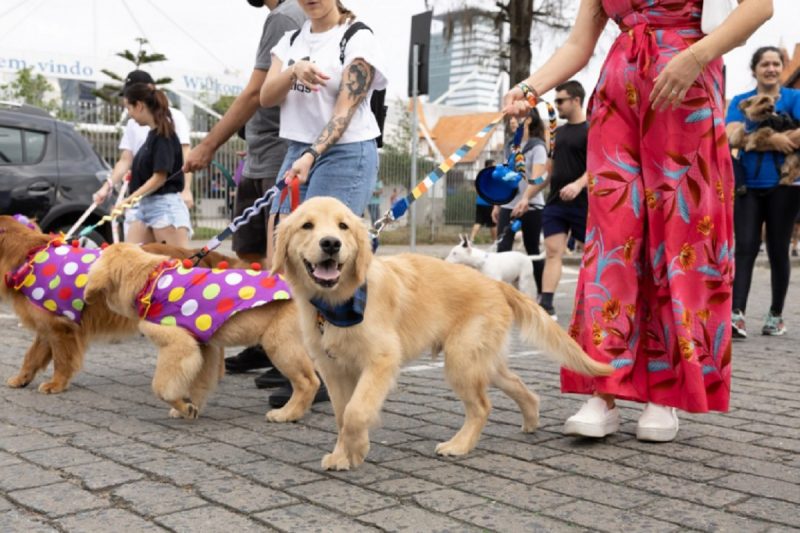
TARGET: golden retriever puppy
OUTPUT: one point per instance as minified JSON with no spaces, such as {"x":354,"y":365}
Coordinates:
{"x":58,"y":338}
{"x":390,"y":310}
{"x":213,"y":307}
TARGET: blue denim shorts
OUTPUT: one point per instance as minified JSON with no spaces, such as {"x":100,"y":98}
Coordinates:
{"x":347,"y":172}
{"x":162,"y":211}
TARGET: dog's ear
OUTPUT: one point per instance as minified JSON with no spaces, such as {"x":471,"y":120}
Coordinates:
{"x":282,"y":236}
{"x":364,"y":255}
{"x":464,"y":240}
{"x":744,"y":104}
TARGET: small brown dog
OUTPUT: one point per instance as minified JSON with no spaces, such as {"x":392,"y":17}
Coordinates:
{"x":58,"y":338}
{"x":391,"y":309}
{"x":760,"y":109}
{"x":184,"y":374}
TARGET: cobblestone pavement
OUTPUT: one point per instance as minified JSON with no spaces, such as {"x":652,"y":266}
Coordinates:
{"x":104,"y":455}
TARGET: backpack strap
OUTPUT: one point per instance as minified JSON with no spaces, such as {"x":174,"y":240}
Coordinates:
{"x":294,"y":36}
{"x":354,"y":27}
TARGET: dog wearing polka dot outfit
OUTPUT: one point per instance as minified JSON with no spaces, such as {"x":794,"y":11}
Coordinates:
{"x":182,"y":308}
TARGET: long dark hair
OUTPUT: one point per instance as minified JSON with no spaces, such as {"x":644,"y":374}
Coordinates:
{"x":157,"y":102}
{"x":535,"y":125}
{"x":758,"y":54}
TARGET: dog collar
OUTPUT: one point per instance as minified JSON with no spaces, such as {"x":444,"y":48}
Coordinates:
{"x":345,"y":314}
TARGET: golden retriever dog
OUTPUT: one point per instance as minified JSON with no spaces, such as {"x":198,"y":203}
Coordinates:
{"x":57,"y":338}
{"x":185,"y":375}
{"x":413,"y":303}
{"x":760,"y":109}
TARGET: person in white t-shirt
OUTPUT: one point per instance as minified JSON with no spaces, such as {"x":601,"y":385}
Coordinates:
{"x":134,"y":136}
{"x":324,"y":91}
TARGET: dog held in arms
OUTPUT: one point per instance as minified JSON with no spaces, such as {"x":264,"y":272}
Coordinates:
{"x":127,"y":280}
{"x":413,"y":303}
{"x":760,"y":111}
{"x":58,"y":338}
{"x":515,"y":268}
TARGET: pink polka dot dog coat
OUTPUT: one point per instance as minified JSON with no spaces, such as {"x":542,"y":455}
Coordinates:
{"x":54,"y":278}
{"x":200,"y":300}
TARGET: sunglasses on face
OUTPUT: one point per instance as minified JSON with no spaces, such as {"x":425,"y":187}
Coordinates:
{"x":560,"y":101}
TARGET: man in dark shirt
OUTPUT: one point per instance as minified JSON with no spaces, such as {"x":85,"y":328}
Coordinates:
{"x":567,"y":203}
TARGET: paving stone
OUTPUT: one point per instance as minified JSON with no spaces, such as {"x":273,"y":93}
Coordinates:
{"x":218,"y":453}
{"x":134,"y":453}
{"x":601,"y":518}
{"x":104,"y":519}
{"x":598,"y":491}
{"x":447,"y":500}
{"x":514,"y":493}
{"x":499,"y":517}
{"x":210,"y":518}
{"x":413,"y":519}
{"x":182,"y":470}
{"x":310,"y":519}
{"x":275,"y":473}
{"x":704,"y":494}
{"x":243,"y":495}
{"x":23,"y":476}
{"x":735,"y":448}
{"x":171,"y":438}
{"x":5,"y":505}
{"x":343,"y":497}
{"x":97,"y":438}
{"x":13,"y":521}
{"x":769,"y":509}
{"x":28,"y":443}
{"x":695,"y":516}
{"x":760,"y":486}
{"x":746,"y":465}
{"x":290,"y":452}
{"x":66,"y":428}
{"x":102,"y":474}
{"x":60,"y":457}
{"x":589,"y":466}
{"x":508,"y":467}
{"x":365,"y":474}
{"x":403,"y":486}
{"x":780,"y":443}
{"x":152,"y":498}
{"x":8,"y":459}
{"x":667,"y":466}
{"x":58,"y":499}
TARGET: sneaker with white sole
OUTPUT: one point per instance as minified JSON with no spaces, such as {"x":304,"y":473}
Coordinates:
{"x":738,"y":329}
{"x":657,"y":423}
{"x":773,"y":325}
{"x":594,"y":419}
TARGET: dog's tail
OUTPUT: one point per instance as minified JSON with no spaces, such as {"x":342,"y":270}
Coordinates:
{"x":538,"y":329}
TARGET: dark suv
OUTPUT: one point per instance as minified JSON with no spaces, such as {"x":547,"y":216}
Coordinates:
{"x":48,"y":171}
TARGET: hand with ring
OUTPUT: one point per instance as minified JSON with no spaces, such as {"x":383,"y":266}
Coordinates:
{"x":674,"y":81}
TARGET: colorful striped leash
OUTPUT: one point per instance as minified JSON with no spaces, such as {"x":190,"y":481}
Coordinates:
{"x":399,"y":208}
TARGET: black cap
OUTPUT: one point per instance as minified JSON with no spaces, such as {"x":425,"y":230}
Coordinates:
{"x":256,"y":3}
{"x":136,"y":76}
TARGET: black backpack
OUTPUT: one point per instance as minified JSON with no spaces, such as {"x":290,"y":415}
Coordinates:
{"x":377,"y":102}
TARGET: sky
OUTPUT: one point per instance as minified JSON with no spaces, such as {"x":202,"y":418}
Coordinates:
{"x":219,"y":37}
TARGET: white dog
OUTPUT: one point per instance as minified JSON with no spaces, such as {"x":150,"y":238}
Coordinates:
{"x":514,"y":268}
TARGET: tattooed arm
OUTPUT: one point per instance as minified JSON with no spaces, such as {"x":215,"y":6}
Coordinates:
{"x":356,"y":82}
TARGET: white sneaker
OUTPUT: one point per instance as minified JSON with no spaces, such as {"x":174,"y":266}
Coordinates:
{"x":657,"y":423}
{"x":594,"y":419}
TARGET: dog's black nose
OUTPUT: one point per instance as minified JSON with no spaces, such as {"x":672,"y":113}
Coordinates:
{"x":330,"y":245}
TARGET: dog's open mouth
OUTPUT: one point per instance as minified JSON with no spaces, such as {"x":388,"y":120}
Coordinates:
{"x":325,"y":273}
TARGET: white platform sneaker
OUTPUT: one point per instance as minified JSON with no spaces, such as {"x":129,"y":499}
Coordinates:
{"x":594,"y":419}
{"x":657,"y":423}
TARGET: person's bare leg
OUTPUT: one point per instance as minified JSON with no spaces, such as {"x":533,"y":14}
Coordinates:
{"x":554,"y":246}
{"x":139,"y":233}
{"x":475,"y":229}
{"x":172,"y":236}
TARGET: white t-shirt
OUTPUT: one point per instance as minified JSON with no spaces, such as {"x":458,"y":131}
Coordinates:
{"x":535,"y":156}
{"x":134,"y":135}
{"x":304,"y":114}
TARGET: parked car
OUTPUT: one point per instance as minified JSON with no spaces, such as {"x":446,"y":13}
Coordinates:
{"x":49,"y":172}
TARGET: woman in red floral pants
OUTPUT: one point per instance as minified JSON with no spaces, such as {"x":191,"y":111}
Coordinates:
{"x":653,"y":296}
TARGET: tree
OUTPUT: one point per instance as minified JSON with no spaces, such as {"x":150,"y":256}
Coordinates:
{"x":400,"y":140}
{"x":522,"y":16}
{"x":223,"y":103}
{"x":110,"y":91}
{"x":29,"y":89}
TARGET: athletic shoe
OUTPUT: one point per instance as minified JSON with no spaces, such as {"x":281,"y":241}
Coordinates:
{"x":594,"y":419}
{"x":773,"y":325}
{"x":737,"y":325}
{"x":551,"y":311}
{"x":271,"y":379}
{"x":657,"y":424}
{"x":248,"y":359}
{"x":794,"y":252}
{"x":280,"y":397}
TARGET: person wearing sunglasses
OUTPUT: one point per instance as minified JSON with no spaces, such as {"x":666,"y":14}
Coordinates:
{"x":653,"y":297}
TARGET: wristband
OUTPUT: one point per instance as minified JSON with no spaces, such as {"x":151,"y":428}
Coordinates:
{"x":529,"y":93}
{"x":310,"y":150}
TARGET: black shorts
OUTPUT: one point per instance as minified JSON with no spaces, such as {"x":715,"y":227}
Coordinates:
{"x":560,"y":217}
{"x":483,"y":215}
{"x":252,"y":237}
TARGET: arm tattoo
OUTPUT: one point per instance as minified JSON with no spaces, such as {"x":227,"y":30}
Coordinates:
{"x":356,"y":81}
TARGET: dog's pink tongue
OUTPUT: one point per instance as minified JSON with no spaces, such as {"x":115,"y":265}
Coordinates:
{"x":326,"y":271}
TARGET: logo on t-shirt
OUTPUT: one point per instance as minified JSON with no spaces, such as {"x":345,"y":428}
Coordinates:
{"x":296,"y":86}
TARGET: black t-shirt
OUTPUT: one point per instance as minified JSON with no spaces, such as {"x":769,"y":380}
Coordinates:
{"x":569,"y":161}
{"x":158,"y":154}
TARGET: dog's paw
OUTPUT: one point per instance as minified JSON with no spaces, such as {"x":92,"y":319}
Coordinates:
{"x":51,"y":387}
{"x":530,"y":427}
{"x":174,"y":413}
{"x":282,"y":415}
{"x":452,"y":448}
{"x":18,"y":382}
{"x":335,"y":461}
